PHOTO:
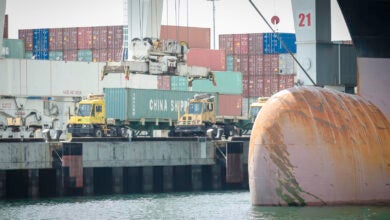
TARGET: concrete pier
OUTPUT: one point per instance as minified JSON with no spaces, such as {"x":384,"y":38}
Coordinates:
{"x":196,"y":177}
{"x":36,"y":169}
{"x":88,"y":182}
{"x":117,"y":181}
{"x":147,"y":180}
{"x":168,"y":179}
{"x":33,"y":183}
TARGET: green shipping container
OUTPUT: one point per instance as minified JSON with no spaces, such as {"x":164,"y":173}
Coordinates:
{"x":28,"y":55}
{"x":14,"y":48}
{"x":227,"y":83}
{"x":56,"y":55}
{"x":179,"y":83}
{"x":84,"y":55}
{"x":134,"y":104}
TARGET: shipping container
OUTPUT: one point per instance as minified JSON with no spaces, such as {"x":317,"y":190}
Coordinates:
{"x":245,"y":107}
{"x":5,"y":33}
{"x":267,"y":85}
{"x":114,"y":37}
{"x":70,"y":55}
{"x":40,"y":55}
{"x":84,"y":38}
{"x":136,"y":104}
{"x":114,"y":55}
{"x":226,"y":83}
{"x":136,"y":81}
{"x":240,"y":43}
{"x":255,"y":44}
{"x":41,"y":40}
{"x":164,"y":82}
{"x":274,"y":84}
{"x":99,"y":37}
{"x":229,"y":105}
{"x":240,"y":64}
{"x":229,"y":63}
{"x":270,"y":64}
{"x":257,"y":88}
{"x":214,"y":59}
{"x":70,"y":36}
{"x":290,"y":79}
{"x":56,"y":55}
{"x":286,"y":64}
{"x":14,"y":48}
{"x":196,"y":37}
{"x":226,"y":43}
{"x":245,"y":86}
{"x":56,"y":39}
{"x":27,"y":36}
{"x":179,"y":83}
{"x":255,"y":65}
{"x":99,"y":55}
{"x":84,"y":55}
{"x":282,"y":82}
{"x":272,"y":44}
{"x":28,"y":55}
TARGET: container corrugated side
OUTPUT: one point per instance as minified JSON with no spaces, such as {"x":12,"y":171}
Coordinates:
{"x":270,"y":64}
{"x":272,"y":45}
{"x":134,"y":104}
{"x":41,"y":40}
{"x":286,"y":64}
{"x":70,"y":55}
{"x":179,"y":83}
{"x":255,"y":65}
{"x":229,"y":105}
{"x":114,"y":37}
{"x":69,"y":41}
{"x":226,"y":43}
{"x":241,"y":62}
{"x":56,"y":55}
{"x":99,"y":37}
{"x":245,"y":107}
{"x":255,"y":44}
{"x":229,"y":62}
{"x":84,"y":55}
{"x":196,"y":37}
{"x":84,"y":38}
{"x":164,"y":82}
{"x":41,"y":55}
{"x":114,"y":55}
{"x":56,"y":39}
{"x":99,"y":55}
{"x":14,"y":47}
{"x":214,"y":59}
{"x":227,"y":83}
{"x":27,"y":36}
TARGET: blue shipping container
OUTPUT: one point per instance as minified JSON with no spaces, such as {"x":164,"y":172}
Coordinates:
{"x":41,"y":55}
{"x":272,"y":45}
{"x":41,"y":40}
{"x":229,"y":63}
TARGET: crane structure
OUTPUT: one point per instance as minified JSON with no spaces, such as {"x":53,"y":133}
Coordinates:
{"x":147,"y":53}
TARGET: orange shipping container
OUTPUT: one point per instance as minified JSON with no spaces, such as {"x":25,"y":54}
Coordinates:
{"x":214,"y":59}
{"x":196,"y":37}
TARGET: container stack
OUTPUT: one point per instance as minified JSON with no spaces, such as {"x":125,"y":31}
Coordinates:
{"x":265,"y":65}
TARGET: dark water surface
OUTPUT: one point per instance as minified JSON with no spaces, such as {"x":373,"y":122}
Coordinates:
{"x":200,"y":205}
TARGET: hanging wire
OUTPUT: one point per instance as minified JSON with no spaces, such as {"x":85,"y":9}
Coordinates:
{"x":282,"y":43}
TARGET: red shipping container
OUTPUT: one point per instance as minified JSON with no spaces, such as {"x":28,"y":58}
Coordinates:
{"x":27,"y":36}
{"x":226,"y":43}
{"x":229,"y":105}
{"x":99,"y":55}
{"x":114,"y":37}
{"x":236,"y":43}
{"x":70,"y":55}
{"x":69,"y":38}
{"x":259,"y":86}
{"x":214,"y":59}
{"x":84,"y":38}
{"x":267,"y":85}
{"x":244,"y":43}
{"x":99,"y":37}
{"x":270,"y":64}
{"x":290,"y":80}
{"x":255,"y":44}
{"x":196,"y":37}
{"x":245,"y":86}
{"x":55,"y":39}
{"x":164,"y":82}
{"x":282,"y":82}
{"x":255,"y":65}
{"x":5,"y":33}
{"x":274,"y":84}
{"x":113,"y":55}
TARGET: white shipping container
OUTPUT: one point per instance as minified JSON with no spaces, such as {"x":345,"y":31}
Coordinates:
{"x":136,"y":81}
{"x":245,"y":107}
{"x":286,"y":64}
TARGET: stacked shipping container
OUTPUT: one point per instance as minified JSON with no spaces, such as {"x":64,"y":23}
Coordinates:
{"x":261,"y":60}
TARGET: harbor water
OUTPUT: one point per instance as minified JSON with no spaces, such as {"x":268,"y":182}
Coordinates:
{"x":185,"y":205}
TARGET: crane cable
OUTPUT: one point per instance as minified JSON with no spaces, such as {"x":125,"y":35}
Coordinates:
{"x":282,"y":42}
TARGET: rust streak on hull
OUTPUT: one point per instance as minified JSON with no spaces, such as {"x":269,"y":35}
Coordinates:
{"x":313,"y":146}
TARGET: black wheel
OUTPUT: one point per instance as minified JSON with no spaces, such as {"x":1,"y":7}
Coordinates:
{"x":98,"y":133}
